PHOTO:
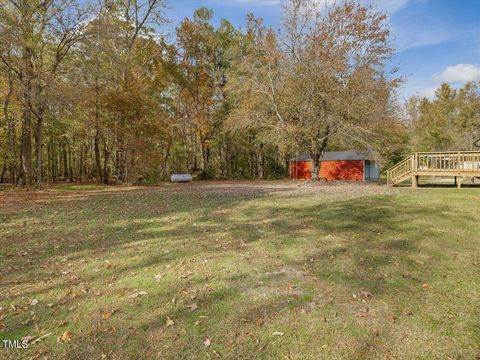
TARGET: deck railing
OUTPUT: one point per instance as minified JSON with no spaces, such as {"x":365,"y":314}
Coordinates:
{"x":454,"y":163}
{"x":460,"y":161}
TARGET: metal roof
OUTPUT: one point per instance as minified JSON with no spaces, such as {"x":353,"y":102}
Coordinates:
{"x":339,"y":155}
{"x":303,"y":157}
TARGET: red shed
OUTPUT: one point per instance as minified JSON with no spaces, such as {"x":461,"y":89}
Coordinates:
{"x":337,"y":165}
{"x":301,"y":168}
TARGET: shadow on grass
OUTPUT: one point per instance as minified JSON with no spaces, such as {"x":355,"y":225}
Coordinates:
{"x":344,"y":245}
{"x":366,"y":223}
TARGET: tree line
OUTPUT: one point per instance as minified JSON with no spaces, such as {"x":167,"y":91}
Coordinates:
{"x":449,"y":121}
{"x":95,"y":91}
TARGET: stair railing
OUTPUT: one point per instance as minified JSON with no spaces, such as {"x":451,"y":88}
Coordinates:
{"x":403,"y":168}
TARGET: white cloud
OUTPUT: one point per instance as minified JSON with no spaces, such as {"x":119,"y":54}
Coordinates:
{"x":456,"y":75}
{"x":460,"y":73}
{"x":389,"y":6}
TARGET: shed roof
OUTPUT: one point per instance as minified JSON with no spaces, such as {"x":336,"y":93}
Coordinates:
{"x":339,"y":155}
{"x":303,"y":157}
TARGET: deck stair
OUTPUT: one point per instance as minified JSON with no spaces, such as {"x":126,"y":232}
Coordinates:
{"x":456,"y":164}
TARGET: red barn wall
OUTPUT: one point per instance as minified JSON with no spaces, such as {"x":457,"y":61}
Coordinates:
{"x":342,"y":170}
{"x":301,"y":170}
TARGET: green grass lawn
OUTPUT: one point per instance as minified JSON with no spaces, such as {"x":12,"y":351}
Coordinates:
{"x":271,"y":270}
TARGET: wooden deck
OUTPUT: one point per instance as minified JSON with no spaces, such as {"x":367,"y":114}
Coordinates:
{"x":459,"y":165}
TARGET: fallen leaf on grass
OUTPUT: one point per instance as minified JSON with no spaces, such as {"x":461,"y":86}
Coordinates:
{"x":207,"y":342}
{"x":169,"y":322}
{"x":111,"y":330}
{"x":137,"y":294}
{"x":193,"y":306}
{"x":366,"y":294}
{"x":27,"y":322}
{"x":185,"y":275}
{"x":33,"y":302}
{"x":66,"y":336}
{"x":364,"y":315}
{"x":427,"y":286}
{"x":278,"y":333}
{"x":158,"y":276}
{"x":28,"y":338}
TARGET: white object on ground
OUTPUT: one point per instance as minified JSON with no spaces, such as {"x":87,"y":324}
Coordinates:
{"x":181,"y":178}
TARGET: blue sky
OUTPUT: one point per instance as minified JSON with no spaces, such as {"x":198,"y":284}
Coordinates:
{"x":436,"y":40}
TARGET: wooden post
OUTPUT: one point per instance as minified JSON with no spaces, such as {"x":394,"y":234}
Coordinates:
{"x":459,"y":183}
{"x":414,"y":171}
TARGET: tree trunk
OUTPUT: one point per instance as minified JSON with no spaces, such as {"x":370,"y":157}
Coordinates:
{"x":260,"y":163}
{"x":39,"y":112}
{"x":85,"y":161}
{"x":48,"y":174}
{"x":80,"y":165}
{"x":4,"y":169}
{"x":106,"y":173}
{"x":317,"y":154}
{"x":69,"y":162}
{"x":38,"y":150}
{"x":98,"y":166}
{"x":54,"y":160}
{"x":11,"y":135}
{"x":26,"y":174}
{"x":96,"y":142}
{"x":120,"y":157}
{"x":165,"y":159}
